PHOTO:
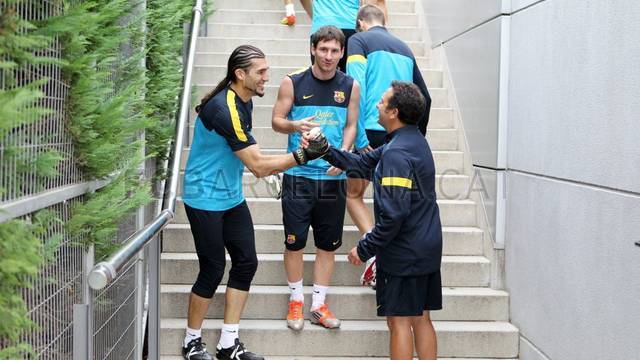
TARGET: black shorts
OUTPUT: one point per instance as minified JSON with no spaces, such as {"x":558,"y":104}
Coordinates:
{"x":408,"y":296}
{"x":342,"y":64}
{"x":376,"y":138}
{"x":213,"y":231}
{"x":319,"y":203}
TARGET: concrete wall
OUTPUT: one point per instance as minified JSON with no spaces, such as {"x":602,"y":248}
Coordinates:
{"x":572,"y":166}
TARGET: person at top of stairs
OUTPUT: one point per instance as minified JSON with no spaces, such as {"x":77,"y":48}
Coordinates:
{"x":375,"y":58}
{"x":407,"y":237}
{"x":217,"y":211}
{"x":290,"y":12}
{"x":314,"y":194}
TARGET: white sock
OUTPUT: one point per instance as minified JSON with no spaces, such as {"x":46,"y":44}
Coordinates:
{"x":289,"y":9}
{"x":319,"y":295}
{"x":228,"y":335}
{"x":191,"y":335}
{"x":296,"y":291}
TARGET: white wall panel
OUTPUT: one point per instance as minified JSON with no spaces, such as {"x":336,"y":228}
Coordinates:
{"x":575,"y":92}
{"x":572,"y":269}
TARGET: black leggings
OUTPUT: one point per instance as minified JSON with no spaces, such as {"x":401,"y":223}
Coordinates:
{"x":213,"y":231}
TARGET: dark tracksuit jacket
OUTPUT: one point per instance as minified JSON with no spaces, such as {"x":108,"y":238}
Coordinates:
{"x":407,"y":237}
{"x":376,"y":58}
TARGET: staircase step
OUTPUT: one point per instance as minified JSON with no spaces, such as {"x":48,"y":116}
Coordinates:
{"x":206,"y":74}
{"x":348,"y":303}
{"x":447,"y":162}
{"x":438,"y":95}
{"x":447,"y":187}
{"x":280,"y":46}
{"x":276,"y":59}
{"x":455,"y":339}
{"x":269,"y":211}
{"x":273,"y":30}
{"x":267,"y":138}
{"x":439,"y":118}
{"x":465,"y":271}
{"x":270,"y":240}
{"x":402,"y":6}
{"x":261,"y":16}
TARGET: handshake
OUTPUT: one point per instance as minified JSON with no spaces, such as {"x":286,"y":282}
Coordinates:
{"x":314,"y":145}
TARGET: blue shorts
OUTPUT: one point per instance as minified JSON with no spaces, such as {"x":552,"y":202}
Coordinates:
{"x":408,"y":295}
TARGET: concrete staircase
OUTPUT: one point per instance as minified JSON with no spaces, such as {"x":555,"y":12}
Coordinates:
{"x":474,"y":321}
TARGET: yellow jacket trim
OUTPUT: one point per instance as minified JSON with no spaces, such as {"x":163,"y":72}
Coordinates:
{"x":356,"y":58}
{"x":397,"y":181}
{"x":235,"y":117}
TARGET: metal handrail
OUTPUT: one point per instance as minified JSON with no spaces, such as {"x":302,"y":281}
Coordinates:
{"x":106,"y":271}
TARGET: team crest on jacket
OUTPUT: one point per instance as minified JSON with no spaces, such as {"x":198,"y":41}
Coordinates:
{"x":339,"y":97}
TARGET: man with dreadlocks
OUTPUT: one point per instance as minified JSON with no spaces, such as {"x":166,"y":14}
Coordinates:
{"x":214,"y":202}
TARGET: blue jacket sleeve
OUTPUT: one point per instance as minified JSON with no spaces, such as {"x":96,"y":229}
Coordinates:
{"x":419,"y":81}
{"x":394,"y":204}
{"x":352,"y":163}
{"x":357,"y":69}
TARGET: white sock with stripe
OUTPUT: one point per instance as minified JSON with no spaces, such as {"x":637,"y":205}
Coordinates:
{"x":228,"y":335}
{"x":289,"y":9}
{"x":319,"y":295}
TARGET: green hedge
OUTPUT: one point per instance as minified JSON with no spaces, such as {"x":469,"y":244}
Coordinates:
{"x":112,"y":99}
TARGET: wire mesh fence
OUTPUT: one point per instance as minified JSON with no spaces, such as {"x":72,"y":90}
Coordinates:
{"x":21,"y":146}
{"x":116,"y":314}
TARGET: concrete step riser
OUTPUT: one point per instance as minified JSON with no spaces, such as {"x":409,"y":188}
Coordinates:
{"x":271,"y":272}
{"x":359,"y":305}
{"x":394,"y":6}
{"x":207,"y":75}
{"x":275,"y":59}
{"x":447,"y":187}
{"x":251,"y":17}
{"x":276,"y":46}
{"x":267,"y":138}
{"x":447,"y":162}
{"x":278,"y":31}
{"x":439,"y":118}
{"x":439,"y":97}
{"x":270,"y":212}
{"x":270,"y":240}
{"x":360,"y":339}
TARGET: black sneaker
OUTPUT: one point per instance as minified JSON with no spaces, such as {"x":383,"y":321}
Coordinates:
{"x":196,"y":350}
{"x":236,"y":352}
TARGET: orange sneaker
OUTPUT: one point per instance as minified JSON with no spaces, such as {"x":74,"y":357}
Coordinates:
{"x":323,"y":316}
{"x":295,"y":319}
{"x":288,"y":20}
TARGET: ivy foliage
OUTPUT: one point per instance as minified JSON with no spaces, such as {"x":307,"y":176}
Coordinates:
{"x":123,"y":67}
{"x":22,"y":254}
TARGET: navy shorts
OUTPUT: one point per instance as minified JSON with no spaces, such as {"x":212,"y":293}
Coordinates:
{"x":408,"y":295}
{"x":317,"y":203}
{"x":376,"y":139}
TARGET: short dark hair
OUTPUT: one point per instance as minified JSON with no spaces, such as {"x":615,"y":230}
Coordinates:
{"x":408,"y":100}
{"x":371,"y":14}
{"x":327,"y":33}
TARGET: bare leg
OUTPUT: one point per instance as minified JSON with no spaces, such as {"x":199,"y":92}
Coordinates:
{"x":234,"y":305}
{"x":293,"y":265}
{"x":306,"y":4}
{"x":425,"y":337}
{"x":323,"y":267}
{"x":198,"y":307}
{"x":401,"y":338}
{"x":356,"y":206}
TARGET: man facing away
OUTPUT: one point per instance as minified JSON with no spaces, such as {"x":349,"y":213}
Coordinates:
{"x":314,"y":194}
{"x":217,"y":211}
{"x":407,"y":236}
{"x":375,"y":59}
